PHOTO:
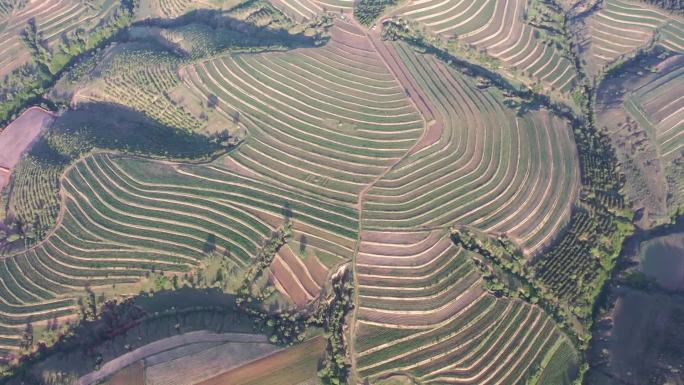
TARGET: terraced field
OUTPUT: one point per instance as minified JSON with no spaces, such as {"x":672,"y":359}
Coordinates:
{"x":423,"y":312}
{"x":621,"y":27}
{"x":124,"y":217}
{"x":326,"y":121}
{"x":308,"y":9}
{"x":482,"y":165}
{"x":373,"y":150}
{"x":498,"y":28}
{"x":658,"y":106}
{"x":643,"y":109}
{"x":53,"y":19}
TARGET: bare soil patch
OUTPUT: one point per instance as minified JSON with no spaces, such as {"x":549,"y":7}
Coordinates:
{"x":165,"y":344}
{"x":287,"y":367}
{"x":18,"y":137}
{"x":131,"y":375}
{"x":193,"y":368}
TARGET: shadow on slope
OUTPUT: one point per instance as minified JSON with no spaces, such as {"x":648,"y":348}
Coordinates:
{"x":31,"y":201}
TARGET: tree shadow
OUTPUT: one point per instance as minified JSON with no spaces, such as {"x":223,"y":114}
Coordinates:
{"x":303,"y":243}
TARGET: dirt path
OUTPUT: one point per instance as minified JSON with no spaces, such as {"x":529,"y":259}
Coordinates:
{"x":421,"y":103}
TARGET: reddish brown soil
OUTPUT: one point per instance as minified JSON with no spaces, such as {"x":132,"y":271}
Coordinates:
{"x":515,"y":31}
{"x":498,"y":19}
{"x":401,"y":249}
{"x":433,"y":250}
{"x":131,"y":375}
{"x":397,"y":238}
{"x":237,"y":168}
{"x":421,"y":319}
{"x":425,"y":269}
{"x":281,"y":366}
{"x":18,"y":137}
{"x":299,"y":269}
{"x":288,"y":282}
{"x":318,"y":270}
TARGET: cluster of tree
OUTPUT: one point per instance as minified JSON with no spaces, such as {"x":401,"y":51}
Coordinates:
{"x":368,"y":11}
{"x":503,"y":267}
{"x":331,"y":316}
{"x":87,"y":306}
{"x":33,"y":39}
{"x":102,"y":323}
{"x":506,"y":273}
{"x":546,"y":15}
{"x":261,"y":262}
{"x":329,"y":313}
{"x":251,"y":26}
{"x":466,"y":58}
{"x":670,"y":5}
{"x":550,"y":21}
{"x":290,"y":326}
{"x":28,"y":83}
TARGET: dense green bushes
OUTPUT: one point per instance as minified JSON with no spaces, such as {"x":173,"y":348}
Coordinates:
{"x":368,"y":11}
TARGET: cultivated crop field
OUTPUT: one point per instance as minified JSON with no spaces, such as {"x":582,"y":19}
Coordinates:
{"x":618,"y":28}
{"x":319,"y":192}
{"x":499,"y":29}
{"x":372,"y":150}
{"x":307,"y":9}
{"x":423,"y":311}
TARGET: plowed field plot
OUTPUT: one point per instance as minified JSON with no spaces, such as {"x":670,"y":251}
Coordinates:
{"x":644,"y":110}
{"x":229,"y":350}
{"x":373,"y":150}
{"x":498,"y":28}
{"x":17,"y":137}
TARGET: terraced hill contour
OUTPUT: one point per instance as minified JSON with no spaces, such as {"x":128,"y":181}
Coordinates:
{"x":374,"y":151}
{"x":620,"y":27}
{"x":52,"y":18}
{"x":499,"y":29}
